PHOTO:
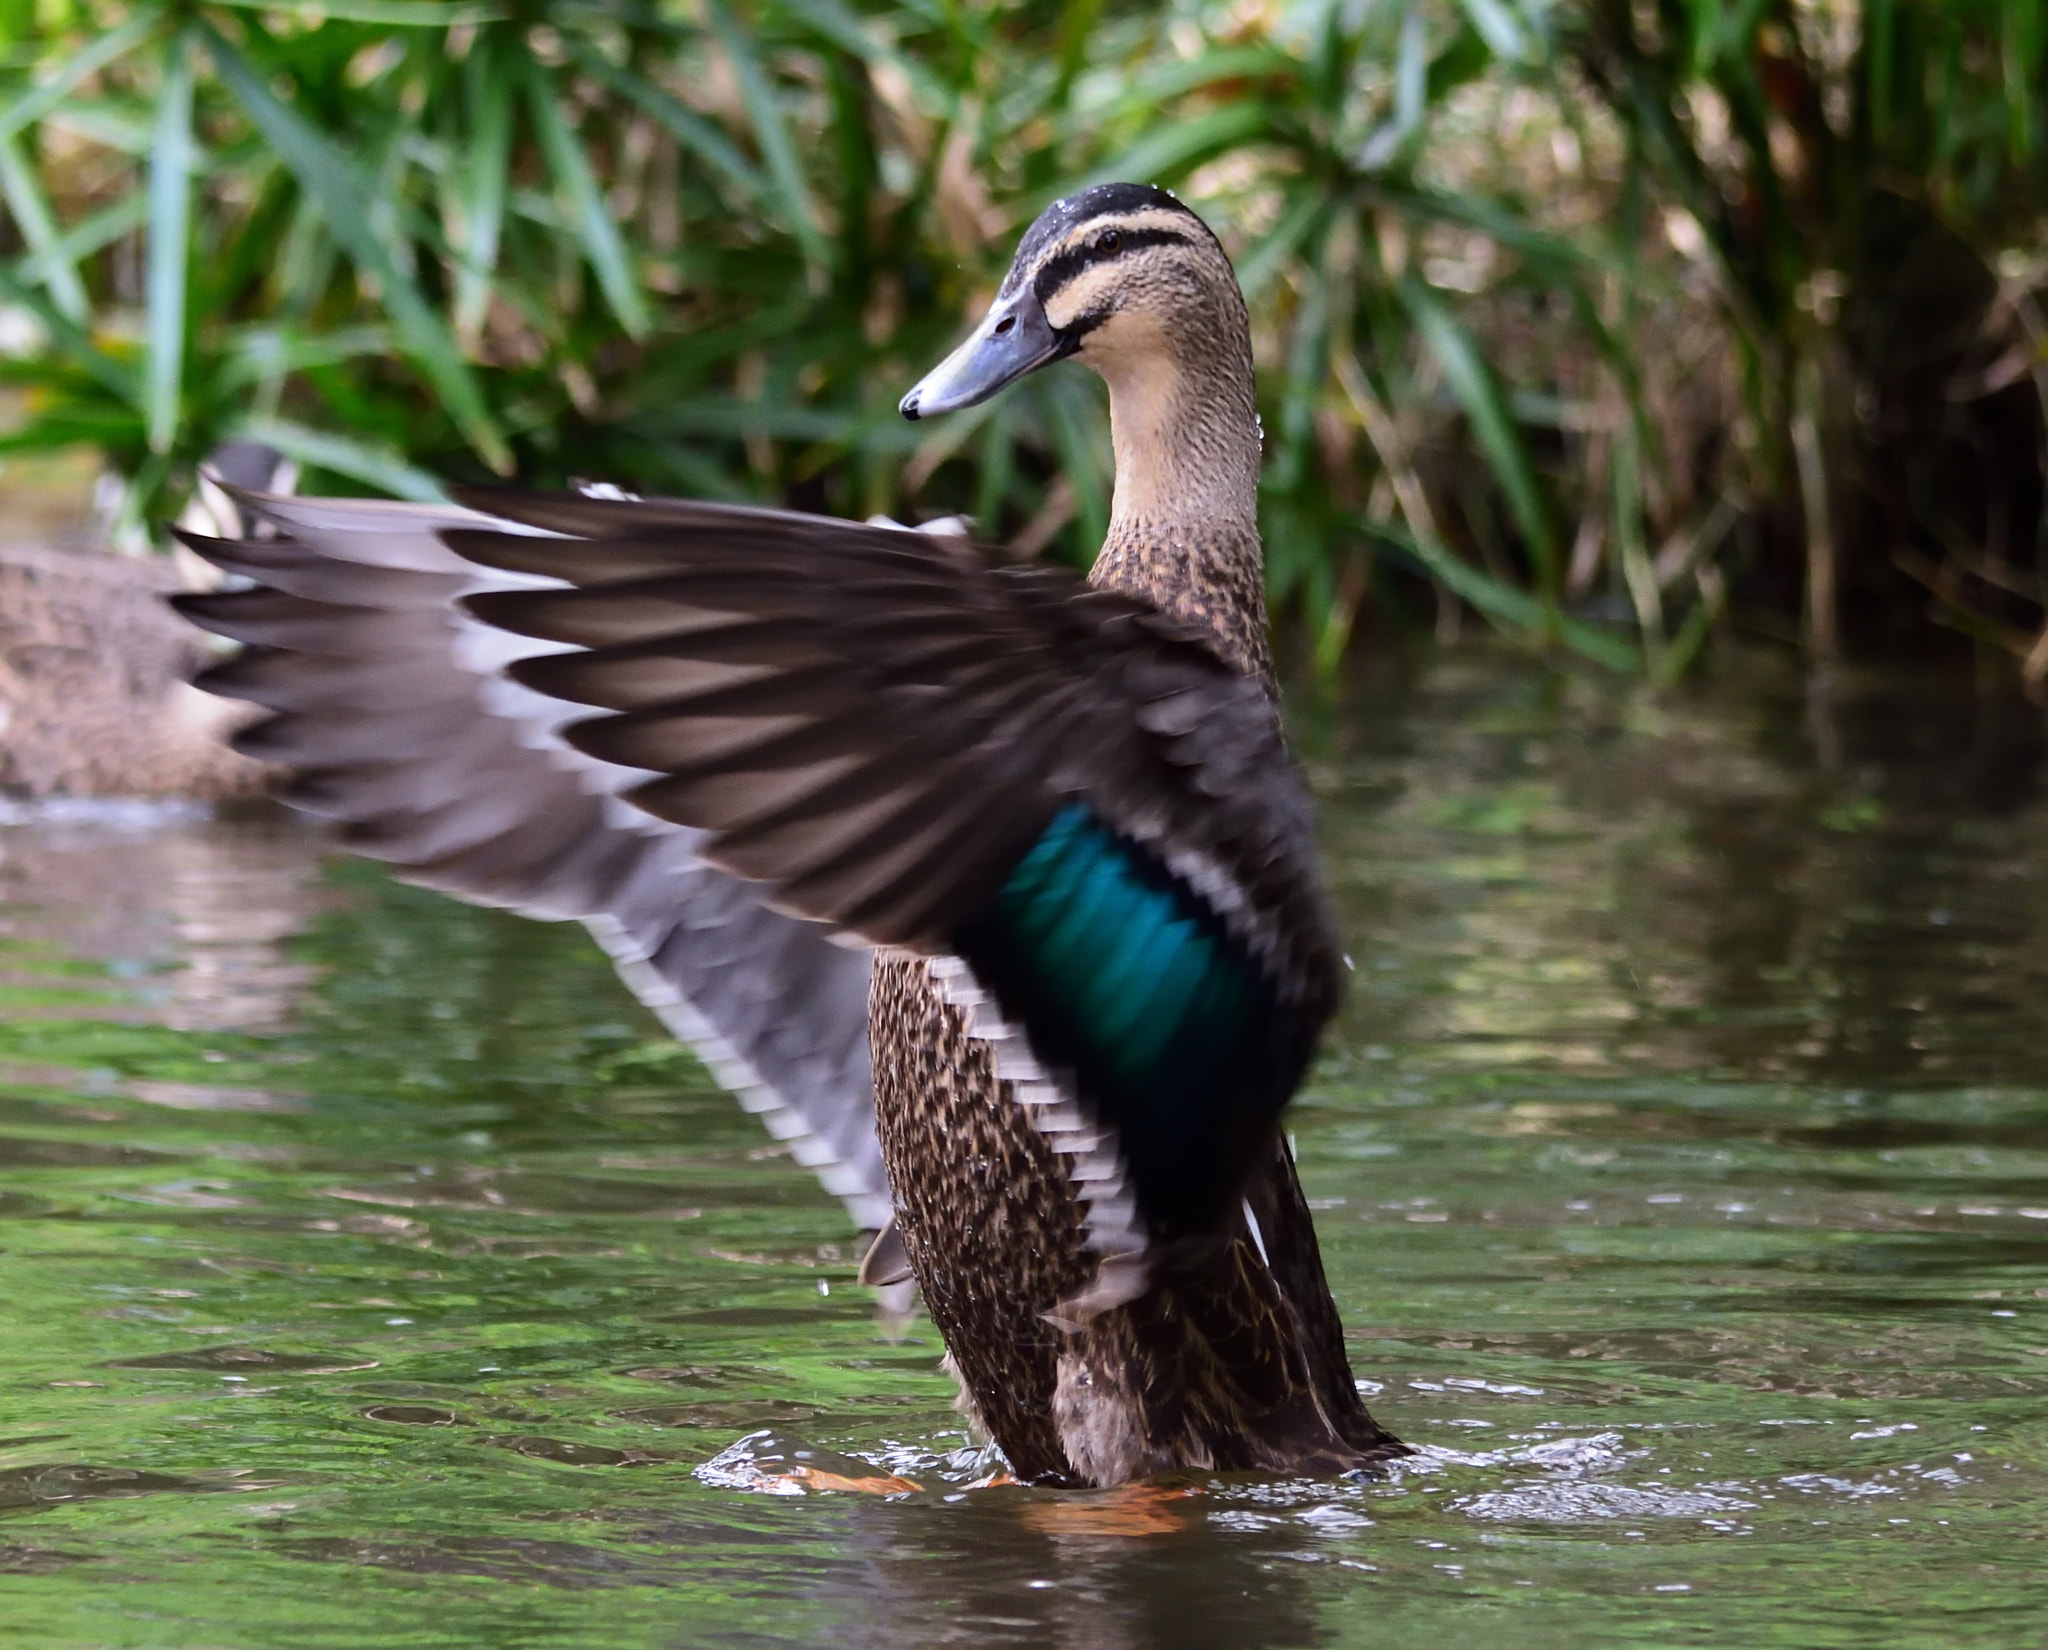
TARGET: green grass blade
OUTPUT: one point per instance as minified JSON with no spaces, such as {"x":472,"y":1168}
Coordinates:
{"x":595,"y":230}
{"x":771,"y":132}
{"x":838,"y":24}
{"x":266,"y":353}
{"x":89,"y":235}
{"x":402,"y":14}
{"x":483,"y":176}
{"x":1678,"y":657}
{"x":1302,"y":221}
{"x":373,"y":466}
{"x":1498,"y":26}
{"x":698,"y":135}
{"x":1411,"y":73}
{"x":2020,"y":57}
{"x":1503,"y":603}
{"x":103,"y":122}
{"x":328,"y":178}
{"x":1493,"y":425}
{"x":170,"y":225}
{"x":1603,"y":647}
{"x":1507,"y":607}
{"x":1179,"y":147}
{"x":1160,"y":85}
{"x":1557,"y":256}
{"x":46,"y":94}
{"x":70,"y":340}
{"x":23,"y":192}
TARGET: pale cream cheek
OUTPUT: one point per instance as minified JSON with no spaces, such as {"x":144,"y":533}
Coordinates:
{"x":1126,"y":335}
{"x":1085,"y":293}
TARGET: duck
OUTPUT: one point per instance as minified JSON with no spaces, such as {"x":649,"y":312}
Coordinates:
{"x":991,"y":887}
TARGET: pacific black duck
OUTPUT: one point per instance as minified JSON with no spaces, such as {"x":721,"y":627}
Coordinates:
{"x":994,"y":891}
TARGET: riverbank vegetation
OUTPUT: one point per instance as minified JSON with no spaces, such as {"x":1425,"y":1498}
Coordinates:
{"x":1610,"y":323}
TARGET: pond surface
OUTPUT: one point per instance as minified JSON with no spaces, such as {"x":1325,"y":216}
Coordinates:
{"x":372,"y":1273}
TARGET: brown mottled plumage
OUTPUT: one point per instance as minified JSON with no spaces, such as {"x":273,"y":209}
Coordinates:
{"x":989,"y":1224}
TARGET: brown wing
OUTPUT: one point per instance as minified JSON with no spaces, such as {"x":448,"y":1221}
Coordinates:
{"x":878,"y":722}
{"x":397,"y":728}
{"x":1056,"y":784}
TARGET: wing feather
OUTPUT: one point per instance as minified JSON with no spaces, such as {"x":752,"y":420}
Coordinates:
{"x":390,"y":712}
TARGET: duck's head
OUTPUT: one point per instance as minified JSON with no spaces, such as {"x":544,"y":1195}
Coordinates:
{"x":1118,"y":276}
{"x":1125,"y":279}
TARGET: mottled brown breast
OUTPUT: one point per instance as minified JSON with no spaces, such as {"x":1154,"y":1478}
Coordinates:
{"x":1234,"y":1362}
{"x":983,"y":1204}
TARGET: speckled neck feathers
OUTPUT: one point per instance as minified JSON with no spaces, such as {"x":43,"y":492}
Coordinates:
{"x":1183,"y":531}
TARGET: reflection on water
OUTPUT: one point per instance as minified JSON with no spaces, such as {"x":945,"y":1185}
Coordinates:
{"x":372,"y":1272}
{"x":1571,"y":877}
{"x":153,"y":890}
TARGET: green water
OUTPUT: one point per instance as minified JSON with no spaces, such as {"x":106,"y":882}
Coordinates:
{"x":371,"y":1272}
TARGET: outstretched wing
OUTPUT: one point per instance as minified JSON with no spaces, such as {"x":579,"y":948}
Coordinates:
{"x":1056,"y":785}
{"x":389,"y":709}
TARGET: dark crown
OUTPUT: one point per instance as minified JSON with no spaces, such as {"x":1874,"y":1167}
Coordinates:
{"x":1104,"y":201}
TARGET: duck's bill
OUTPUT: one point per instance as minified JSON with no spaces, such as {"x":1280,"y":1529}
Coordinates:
{"x":1014,"y":339}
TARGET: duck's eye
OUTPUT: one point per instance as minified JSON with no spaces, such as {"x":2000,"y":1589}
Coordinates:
{"x":1108,"y":241}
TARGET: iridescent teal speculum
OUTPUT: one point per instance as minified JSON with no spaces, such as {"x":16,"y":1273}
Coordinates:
{"x":1135,"y":989}
{"x":1117,"y":948}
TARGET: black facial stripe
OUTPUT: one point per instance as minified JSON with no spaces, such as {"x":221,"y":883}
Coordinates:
{"x":1062,"y":267}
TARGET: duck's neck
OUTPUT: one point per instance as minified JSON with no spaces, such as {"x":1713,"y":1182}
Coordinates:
{"x":1184,"y":528}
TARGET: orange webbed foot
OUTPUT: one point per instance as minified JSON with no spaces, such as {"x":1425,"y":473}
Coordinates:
{"x":801,"y":1480}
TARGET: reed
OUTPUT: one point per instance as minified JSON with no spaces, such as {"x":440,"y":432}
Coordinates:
{"x":1610,"y":322}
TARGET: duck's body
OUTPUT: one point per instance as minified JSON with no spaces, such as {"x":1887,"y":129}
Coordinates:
{"x":1061,"y":817}
{"x":1229,"y":1355}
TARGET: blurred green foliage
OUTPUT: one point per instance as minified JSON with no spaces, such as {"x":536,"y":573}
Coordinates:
{"x":1595,"y":318}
